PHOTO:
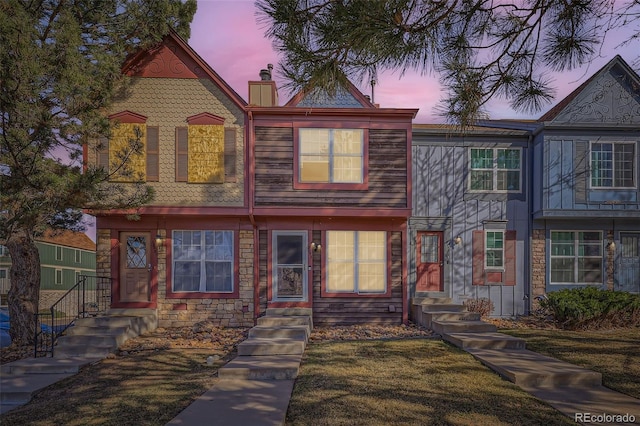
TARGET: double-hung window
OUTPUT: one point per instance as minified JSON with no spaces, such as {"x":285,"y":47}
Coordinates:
{"x":331,"y":156}
{"x":576,"y":257}
{"x":203,"y":261}
{"x":495,"y":169}
{"x":356,"y":262}
{"x":494,"y":250}
{"x":612,"y":165}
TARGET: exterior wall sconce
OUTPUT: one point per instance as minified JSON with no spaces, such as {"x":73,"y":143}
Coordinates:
{"x":611,"y":246}
{"x":457,"y":240}
{"x":159,"y":240}
{"x":316,"y":247}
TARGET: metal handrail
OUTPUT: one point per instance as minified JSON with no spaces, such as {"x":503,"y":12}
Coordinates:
{"x":90,"y":296}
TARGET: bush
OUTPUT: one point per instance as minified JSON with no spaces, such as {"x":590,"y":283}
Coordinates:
{"x":483,"y":306}
{"x":590,"y":307}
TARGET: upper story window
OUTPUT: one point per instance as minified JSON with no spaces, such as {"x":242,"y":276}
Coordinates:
{"x":495,"y":170}
{"x":4,"y":251}
{"x":78,"y":256}
{"x":58,"y":253}
{"x":612,"y":165}
{"x":331,"y":156}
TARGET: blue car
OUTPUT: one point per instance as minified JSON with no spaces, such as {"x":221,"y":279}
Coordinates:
{"x":5,"y":339}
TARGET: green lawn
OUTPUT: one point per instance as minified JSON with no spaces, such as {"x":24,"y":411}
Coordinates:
{"x":407,"y":382}
{"x":613,"y":353}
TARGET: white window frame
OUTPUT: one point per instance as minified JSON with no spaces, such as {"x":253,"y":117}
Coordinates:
{"x":357,"y":262}
{"x":576,"y":256}
{"x":488,"y":249}
{"x":78,"y":256}
{"x":58,"y":277}
{"x":4,"y":251}
{"x":614,"y":164}
{"x":59,"y":253}
{"x":495,"y":170}
{"x":203,"y":261}
{"x":332,"y":156}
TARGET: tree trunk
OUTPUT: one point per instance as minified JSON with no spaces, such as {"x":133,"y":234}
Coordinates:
{"x":25,"y":288}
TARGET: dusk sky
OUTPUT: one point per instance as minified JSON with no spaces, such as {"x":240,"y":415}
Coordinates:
{"x":226,"y":35}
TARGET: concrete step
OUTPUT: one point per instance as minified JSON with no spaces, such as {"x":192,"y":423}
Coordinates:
{"x":81,"y":350}
{"x":276,"y":367}
{"x":530,"y":369}
{"x":281,"y":312}
{"x":139,"y":324}
{"x":462,"y":326}
{"x":96,"y":330}
{"x":286,"y":331}
{"x":277,"y":346}
{"x":45,"y":366}
{"x":431,"y":301}
{"x":284,"y":321}
{"x":443,"y":307}
{"x":111,"y":339}
{"x":429,"y":317}
{"x":17,"y":391}
{"x":468,"y":341}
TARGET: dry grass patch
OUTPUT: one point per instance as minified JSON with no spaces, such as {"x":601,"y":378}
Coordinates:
{"x":146,"y":388}
{"x":407,"y":382}
{"x":613,"y":353}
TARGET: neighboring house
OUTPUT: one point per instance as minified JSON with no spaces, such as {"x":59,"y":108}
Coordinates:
{"x":256,"y":205}
{"x":64,"y":256}
{"x":586,"y":189}
{"x":470,"y":226}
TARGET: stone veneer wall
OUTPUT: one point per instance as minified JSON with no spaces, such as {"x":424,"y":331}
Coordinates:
{"x":222,"y":312}
{"x":538,"y":267}
{"x":610,"y":256}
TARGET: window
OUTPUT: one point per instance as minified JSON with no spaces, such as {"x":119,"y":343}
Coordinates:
{"x":612,"y":165}
{"x":494,"y":250}
{"x":78,"y":256}
{"x":203,"y":261}
{"x":58,"y":253}
{"x":356,"y":262}
{"x":4,"y":251}
{"x":495,"y":169}
{"x":3,"y":274}
{"x":58,"y":276}
{"x":331,"y":156}
{"x":576,"y":257}
{"x":77,"y":276}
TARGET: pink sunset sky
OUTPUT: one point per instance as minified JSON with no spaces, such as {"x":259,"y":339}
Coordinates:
{"x":226,"y":35}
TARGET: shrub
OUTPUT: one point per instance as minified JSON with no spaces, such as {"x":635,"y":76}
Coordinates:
{"x":483,"y":306}
{"x":590,"y":307}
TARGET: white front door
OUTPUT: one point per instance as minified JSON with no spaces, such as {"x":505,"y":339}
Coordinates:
{"x":289,"y":266}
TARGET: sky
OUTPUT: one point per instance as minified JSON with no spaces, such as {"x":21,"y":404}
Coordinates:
{"x":226,"y":35}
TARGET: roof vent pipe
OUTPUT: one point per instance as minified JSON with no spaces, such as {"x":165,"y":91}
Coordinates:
{"x":265,"y":75}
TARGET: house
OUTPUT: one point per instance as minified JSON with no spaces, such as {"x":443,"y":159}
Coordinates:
{"x":64,"y":256}
{"x":469,"y":228}
{"x":586,"y":189}
{"x":257,"y":205}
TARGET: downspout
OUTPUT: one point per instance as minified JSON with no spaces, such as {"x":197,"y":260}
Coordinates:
{"x":527,"y":253}
{"x":252,"y":219}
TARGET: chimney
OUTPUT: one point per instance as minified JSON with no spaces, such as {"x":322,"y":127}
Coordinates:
{"x":264,"y":92}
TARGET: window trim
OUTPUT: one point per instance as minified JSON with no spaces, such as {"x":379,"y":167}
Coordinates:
{"x":58,"y":273}
{"x":364,"y":185}
{"x":325,"y":292}
{"x":494,"y":171}
{"x":171,"y":294}
{"x":59,"y":253}
{"x":634,"y":164}
{"x":576,"y":258}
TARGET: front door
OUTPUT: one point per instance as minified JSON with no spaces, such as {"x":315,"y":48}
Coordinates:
{"x":289,"y":266}
{"x":135,"y":267}
{"x":429,"y":262}
{"x":629,"y":266}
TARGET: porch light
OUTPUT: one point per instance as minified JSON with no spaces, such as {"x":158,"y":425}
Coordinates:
{"x":158,"y":240}
{"x":457,"y":240}
{"x":316,"y":247}
{"x":611,"y":246}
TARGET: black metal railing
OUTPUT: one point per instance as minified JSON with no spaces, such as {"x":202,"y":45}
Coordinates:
{"x":90,"y":296}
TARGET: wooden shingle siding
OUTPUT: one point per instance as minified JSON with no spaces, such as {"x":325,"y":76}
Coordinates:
{"x":387,"y":173}
{"x":362,"y":310}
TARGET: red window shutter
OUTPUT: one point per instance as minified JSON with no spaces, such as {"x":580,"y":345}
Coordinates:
{"x":478,"y":258}
{"x":510,"y":258}
{"x":230,"y":155}
{"x":153,"y":154}
{"x":102,"y":153}
{"x":182,"y":154}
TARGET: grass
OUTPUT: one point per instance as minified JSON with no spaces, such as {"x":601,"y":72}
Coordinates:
{"x":407,"y":382}
{"x":613,"y":353}
{"x":145,"y":388}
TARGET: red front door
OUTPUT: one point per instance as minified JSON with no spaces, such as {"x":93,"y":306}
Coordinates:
{"x":429,"y":262}
{"x":135,"y":267}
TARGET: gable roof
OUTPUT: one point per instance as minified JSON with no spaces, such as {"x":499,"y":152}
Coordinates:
{"x":64,"y":237}
{"x":345,"y":97}
{"x":615,"y":70}
{"x":174,"y":58}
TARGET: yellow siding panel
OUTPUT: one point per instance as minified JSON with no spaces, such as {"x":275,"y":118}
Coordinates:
{"x":206,"y":154}
{"x":127,"y":152}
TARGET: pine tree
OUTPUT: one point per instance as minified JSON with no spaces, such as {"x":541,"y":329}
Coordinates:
{"x":481,"y":49}
{"x":59,"y":69}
